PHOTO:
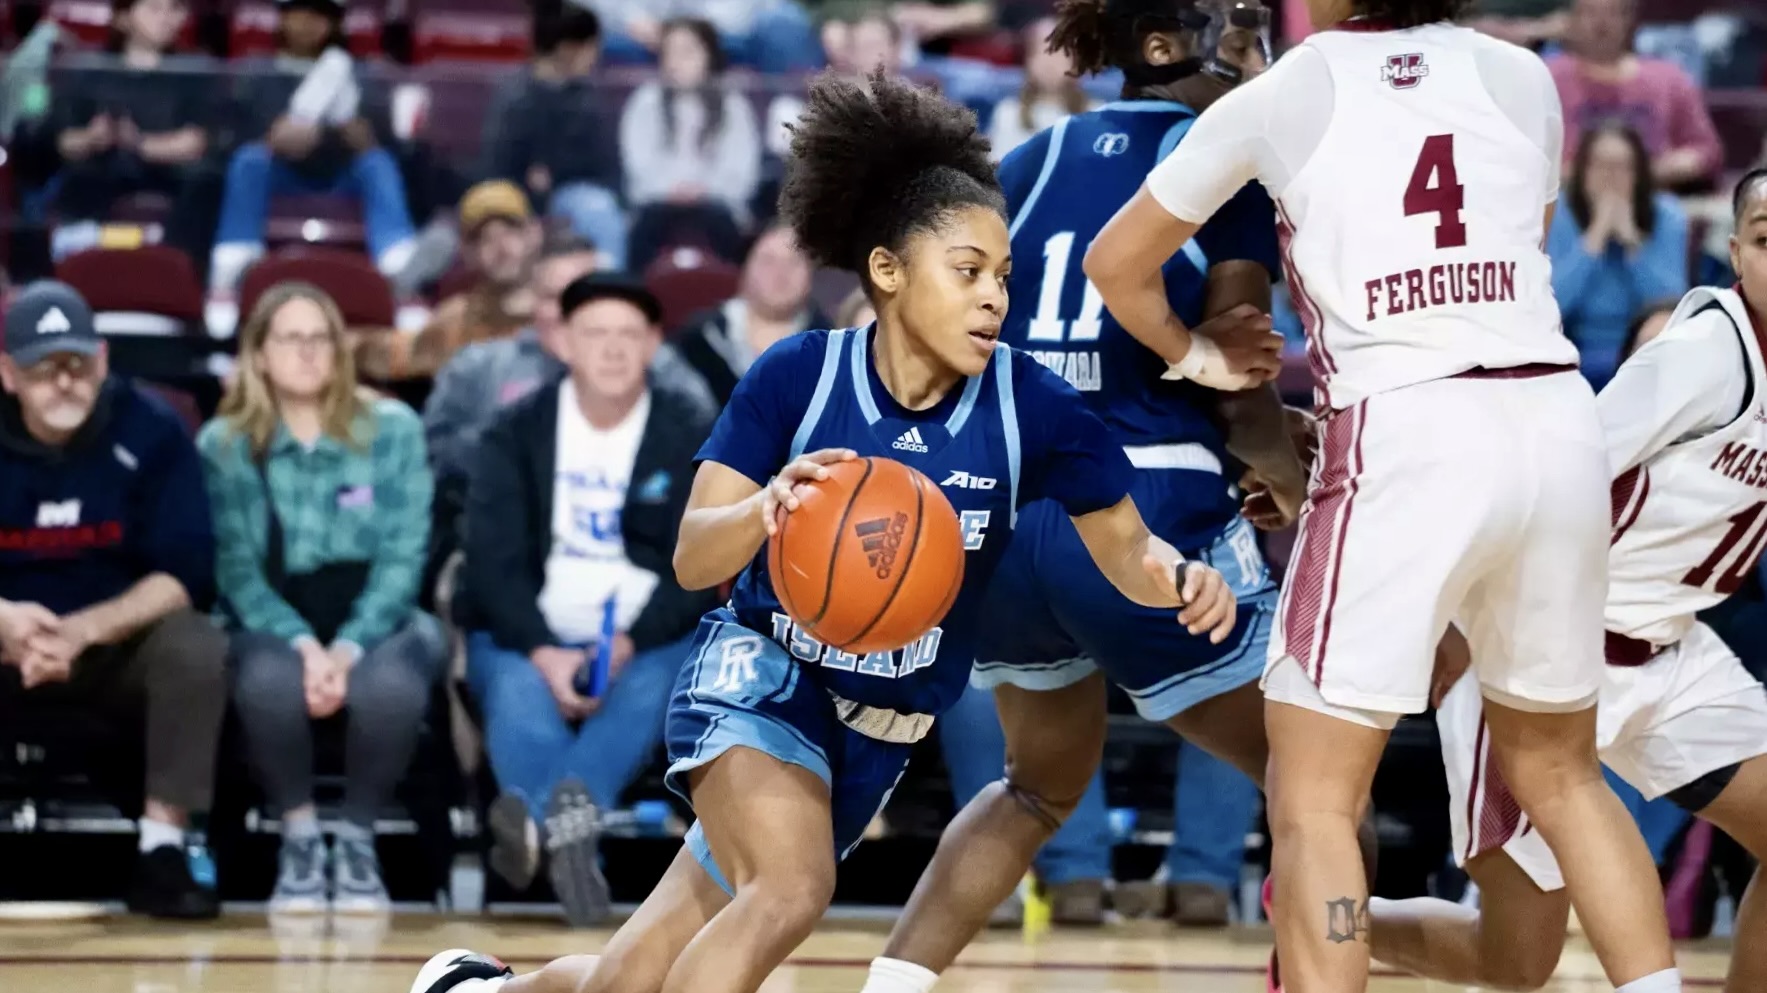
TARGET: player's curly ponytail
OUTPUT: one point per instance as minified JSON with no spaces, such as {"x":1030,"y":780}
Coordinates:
{"x":1080,"y":33}
{"x":874,"y":162}
{"x":1411,"y":13}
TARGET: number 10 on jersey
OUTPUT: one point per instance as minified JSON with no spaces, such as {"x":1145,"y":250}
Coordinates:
{"x":1047,"y":324}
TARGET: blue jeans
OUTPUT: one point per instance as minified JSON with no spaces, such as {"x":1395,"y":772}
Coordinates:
{"x":254,"y":175}
{"x":1214,"y":805}
{"x":595,"y":215}
{"x":531,"y":746}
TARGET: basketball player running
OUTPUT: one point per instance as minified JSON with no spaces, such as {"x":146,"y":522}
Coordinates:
{"x":785,"y":748}
{"x":1463,"y":474}
{"x":1686,"y":421}
{"x":1052,"y":620}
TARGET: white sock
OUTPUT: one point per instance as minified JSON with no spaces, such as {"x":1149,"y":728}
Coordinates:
{"x":158,"y":834}
{"x":1667,"y":981}
{"x":897,"y":976}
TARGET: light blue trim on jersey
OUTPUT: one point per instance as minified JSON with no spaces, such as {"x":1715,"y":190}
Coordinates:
{"x":966,"y":405}
{"x":819,"y":400}
{"x":862,"y":378}
{"x":1192,"y":250}
{"x":1050,"y":158}
{"x":1146,"y":106}
{"x":1008,"y":421}
{"x":1173,"y":137}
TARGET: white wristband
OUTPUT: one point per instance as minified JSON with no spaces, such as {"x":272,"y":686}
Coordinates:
{"x":1202,"y":354}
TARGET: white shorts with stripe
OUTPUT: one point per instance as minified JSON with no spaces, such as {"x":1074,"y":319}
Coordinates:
{"x":1691,"y":710}
{"x":1481,"y":500}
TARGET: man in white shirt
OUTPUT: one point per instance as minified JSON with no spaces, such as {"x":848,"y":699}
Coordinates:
{"x":576,"y":624}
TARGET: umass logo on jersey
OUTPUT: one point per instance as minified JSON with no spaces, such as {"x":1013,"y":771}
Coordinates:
{"x":1403,"y":72}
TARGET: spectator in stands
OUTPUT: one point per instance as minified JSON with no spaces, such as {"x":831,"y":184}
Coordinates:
{"x":1050,"y":93}
{"x":306,"y":126}
{"x":772,"y":302}
{"x":774,"y":36}
{"x":137,"y":122}
{"x":502,"y":238}
{"x":106,"y":554}
{"x":577,"y":625}
{"x":934,"y":24}
{"x":1616,"y":245}
{"x":321,"y":498}
{"x":1600,"y":80}
{"x":1528,"y":23}
{"x":691,"y":148}
{"x":543,"y":130}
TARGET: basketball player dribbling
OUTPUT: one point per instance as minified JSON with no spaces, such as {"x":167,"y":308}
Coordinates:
{"x":1686,"y":422}
{"x":786,"y":748}
{"x":1463,"y":474}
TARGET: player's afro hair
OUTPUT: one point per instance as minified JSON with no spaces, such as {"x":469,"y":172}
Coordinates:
{"x":1752,"y":185}
{"x":874,"y":162}
{"x":1411,"y":13}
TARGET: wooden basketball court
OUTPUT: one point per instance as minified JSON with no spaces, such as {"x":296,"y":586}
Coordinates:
{"x":243,"y":953}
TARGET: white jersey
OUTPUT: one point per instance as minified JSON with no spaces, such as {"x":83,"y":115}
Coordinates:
{"x":1412,"y":171}
{"x":1686,"y":419}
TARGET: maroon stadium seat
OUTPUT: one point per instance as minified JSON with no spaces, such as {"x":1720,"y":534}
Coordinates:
{"x":181,"y":402}
{"x":474,"y":35}
{"x":321,"y":219}
{"x":688,"y":280}
{"x":155,"y":279}
{"x":253,"y":29}
{"x":361,"y":292}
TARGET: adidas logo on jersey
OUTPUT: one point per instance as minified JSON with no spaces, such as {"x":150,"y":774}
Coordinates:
{"x":911,"y":441}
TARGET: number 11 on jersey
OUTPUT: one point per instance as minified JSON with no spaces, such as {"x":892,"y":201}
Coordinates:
{"x":1047,"y":325}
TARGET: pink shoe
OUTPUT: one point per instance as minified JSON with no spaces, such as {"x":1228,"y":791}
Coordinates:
{"x":1272,"y":974}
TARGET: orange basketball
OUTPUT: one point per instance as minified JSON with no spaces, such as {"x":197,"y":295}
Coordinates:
{"x":871,"y":559}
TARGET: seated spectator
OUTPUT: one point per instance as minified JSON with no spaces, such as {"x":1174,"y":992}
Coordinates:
{"x":773,"y":302}
{"x":501,"y":237}
{"x":106,"y":553}
{"x":135,"y":122}
{"x":1600,"y":80}
{"x":1051,"y":92}
{"x":577,"y":627}
{"x":321,"y":500}
{"x":774,"y":36}
{"x":691,"y":148}
{"x":935,"y":24}
{"x":543,"y":131}
{"x":306,"y":127}
{"x":1528,"y":23}
{"x":1616,"y":245}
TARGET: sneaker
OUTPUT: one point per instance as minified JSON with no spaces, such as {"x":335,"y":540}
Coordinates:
{"x":461,"y":971}
{"x":1200,"y":905}
{"x":300,"y":877}
{"x":356,"y":887}
{"x":573,"y":848}
{"x":515,"y":841}
{"x":164,"y":887}
{"x":1078,"y":902}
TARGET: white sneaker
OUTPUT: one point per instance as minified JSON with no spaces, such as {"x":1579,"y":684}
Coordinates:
{"x":460,"y":971}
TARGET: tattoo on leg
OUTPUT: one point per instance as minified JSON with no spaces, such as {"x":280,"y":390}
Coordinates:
{"x":1346,"y":920}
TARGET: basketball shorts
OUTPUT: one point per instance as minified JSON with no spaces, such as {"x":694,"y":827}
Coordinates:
{"x":1477,"y":500}
{"x":1691,"y":710}
{"x":741,"y":689}
{"x":1051,"y":619}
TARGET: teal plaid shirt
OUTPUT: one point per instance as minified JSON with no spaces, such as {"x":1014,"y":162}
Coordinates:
{"x":337,"y":503}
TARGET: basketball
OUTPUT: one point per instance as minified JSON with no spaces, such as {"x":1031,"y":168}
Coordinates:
{"x":871,"y":559}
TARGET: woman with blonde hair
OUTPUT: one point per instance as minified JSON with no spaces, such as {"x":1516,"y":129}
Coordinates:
{"x":321,"y":495}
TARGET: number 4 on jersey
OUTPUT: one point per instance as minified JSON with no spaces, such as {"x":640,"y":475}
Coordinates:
{"x":1435,"y":189}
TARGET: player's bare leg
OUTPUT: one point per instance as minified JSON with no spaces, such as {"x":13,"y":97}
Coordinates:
{"x":1321,"y":769}
{"x":1054,"y":739}
{"x":1512,"y":942}
{"x":1741,"y":812}
{"x":1550,"y":764}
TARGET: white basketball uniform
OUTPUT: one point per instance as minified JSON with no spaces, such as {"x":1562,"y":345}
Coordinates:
{"x":1687,"y":429}
{"x":1461,"y":472}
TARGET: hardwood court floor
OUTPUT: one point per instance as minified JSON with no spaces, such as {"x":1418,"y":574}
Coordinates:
{"x":244,"y":954}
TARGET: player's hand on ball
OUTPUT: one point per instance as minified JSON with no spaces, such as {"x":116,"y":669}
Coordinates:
{"x":1208,"y":603}
{"x":781,"y":492}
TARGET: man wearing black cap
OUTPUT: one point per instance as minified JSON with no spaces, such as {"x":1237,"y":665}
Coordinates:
{"x":106,"y":547}
{"x":576,"y":624}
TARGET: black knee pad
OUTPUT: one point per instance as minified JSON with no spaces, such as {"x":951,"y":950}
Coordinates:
{"x":1699,"y":794}
{"x":1049,"y":813}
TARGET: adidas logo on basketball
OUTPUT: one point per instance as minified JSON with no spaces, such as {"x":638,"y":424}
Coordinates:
{"x":911,"y":442}
{"x":880,"y":539}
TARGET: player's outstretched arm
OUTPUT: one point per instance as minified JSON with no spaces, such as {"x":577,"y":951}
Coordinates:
{"x":1147,"y":570}
{"x":729,"y":516}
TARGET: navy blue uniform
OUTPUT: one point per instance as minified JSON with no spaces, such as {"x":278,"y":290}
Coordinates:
{"x":1012,"y":435}
{"x":1063,"y":186}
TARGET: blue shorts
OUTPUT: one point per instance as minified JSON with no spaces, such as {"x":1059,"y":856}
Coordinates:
{"x":741,"y":689}
{"x":1052,"y":619}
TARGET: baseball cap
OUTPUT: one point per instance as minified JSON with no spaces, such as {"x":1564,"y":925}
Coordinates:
{"x":585,"y":290}
{"x":49,"y":318}
{"x":493,"y":199}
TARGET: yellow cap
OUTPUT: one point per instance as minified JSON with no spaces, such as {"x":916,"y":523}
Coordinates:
{"x":494,"y":199}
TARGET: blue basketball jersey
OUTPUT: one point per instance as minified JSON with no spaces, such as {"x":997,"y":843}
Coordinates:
{"x":996,"y":441}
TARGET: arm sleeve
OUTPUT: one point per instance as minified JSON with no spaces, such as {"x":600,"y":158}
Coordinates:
{"x":1069,"y":454}
{"x":181,"y":540}
{"x":1659,"y":270}
{"x":403,"y":489}
{"x":754,"y":433}
{"x":1684,"y":383}
{"x":498,"y":536}
{"x":239,"y":567}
